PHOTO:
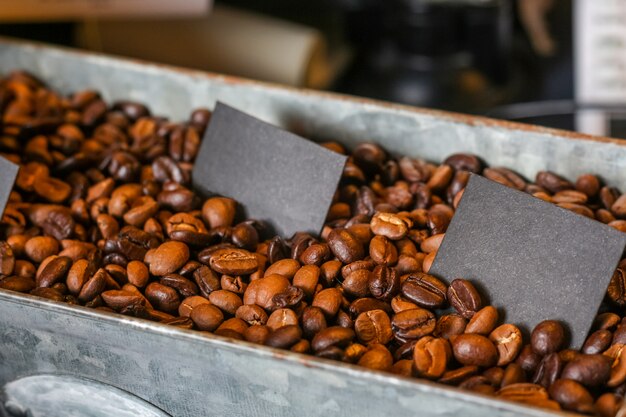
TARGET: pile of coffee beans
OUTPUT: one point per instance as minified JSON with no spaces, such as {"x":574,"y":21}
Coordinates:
{"x":103,"y":215}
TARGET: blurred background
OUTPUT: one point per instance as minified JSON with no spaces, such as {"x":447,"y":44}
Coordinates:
{"x":558,"y":63}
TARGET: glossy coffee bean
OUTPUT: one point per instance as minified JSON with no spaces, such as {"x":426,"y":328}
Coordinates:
{"x":547,"y":337}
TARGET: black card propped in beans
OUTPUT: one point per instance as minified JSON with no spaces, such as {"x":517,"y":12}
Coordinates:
{"x":277,"y":176}
{"x":8,"y":173}
{"x":531,"y":259}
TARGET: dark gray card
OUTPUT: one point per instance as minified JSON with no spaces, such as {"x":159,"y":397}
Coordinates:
{"x":277,"y":176}
{"x":8,"y":173}
{"x":531,"y":259}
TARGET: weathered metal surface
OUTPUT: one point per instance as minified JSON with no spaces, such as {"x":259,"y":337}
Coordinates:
{"x":188,"y":373}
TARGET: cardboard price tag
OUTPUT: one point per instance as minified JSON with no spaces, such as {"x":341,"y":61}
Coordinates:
{"x":531,"y":259}
{"x":278,"y":177}
{"x":8,"y":173}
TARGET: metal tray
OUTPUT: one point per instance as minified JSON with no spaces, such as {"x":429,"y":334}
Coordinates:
{"x":56,"y":357}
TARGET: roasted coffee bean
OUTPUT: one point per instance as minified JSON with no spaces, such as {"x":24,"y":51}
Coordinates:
{"x":508,"y":341}
{"x":121,"y":299}
{"x":307,"y":278}
{"x":262,"y":291}
{"x":7,"y":259}
{"x":363,"y":305}
{"x":167,"y":258}
{"x":450,"y":325}
{"x":94,"y":286}
{"x":413,"y":324}
{"x":356,"y":283}
{"x":464,"y":298}
{"x":377,"y":357}
{"x":618,"y":367}
{"x":313,"y":321}
{"x":474,"y":349}
{"x":464,"y":162}
{"x":219,"y":211}
{"x":382,"y":251}
{"x":616,"y":291}
{"x":329,"y":301}
{"x":483,"y":322}
{"x":547,"y":337}
{"x":424,"y":290}
{"x":207,"y":280}
{"x":188,"y":304}
{"x":572,"y":396}
{"x":373,"y":326}
{"x":19,"y":284}
{"x":207,"y":317}
{"x":552,"y":182}
{"x":234,"y":262}
{"x":316,"y":254}
{"x":335,"y":336}
{"x":548,"y":370}
{"x":284,"y":337}
{"x":528,"y":359}
{"x":226,"y":301}
{"x":162,"y":297}
{"x":252,"y":314}
{"x":39,"y":248}
{"x":54,"y":271}
{"x":384,"y":283}
{"x":589,"y":370}
{"x":137,"y":273}
{"x":597,"y":342}
{"x":431,"y":356}
{"x":185,"y":287}
{"x":389,"y":225}
{"x":345,"y":246}
{"x":456,"y":376}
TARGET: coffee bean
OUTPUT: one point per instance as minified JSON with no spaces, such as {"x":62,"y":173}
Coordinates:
{"x":39,"y":248}
{"x":188,"y":304}
{"x":597,"y":342}
{"x":167,"y":258}
{"x":548,"y":370}
{"x":389,"y":225}
{"x":262,"y":291}
{"x":589,"y":370}
{"x":616,"y":291}
{"x":284,"y":337}
{"x":162,"y":297}
{"x":329,"y":301}
{"x":226,"y":301}
{"x":464,"y":298}
{"x":450,"y":325}
{"x":413,"y":324}
{"x":508,"y":341}
{"x":552,"y":182}
{"x":474,"y":349}
{"x":431,"y":356}
{"x":382,"y":251}
{"x":378,"y":358}
{"x":207,"y":280}
{"x":513,"y":374}
{"x":93,"y":286}
{"x":384,"y":283}
{"x":373,"y":326}
{"x":464,"y":162}
{"x":234,"y":262}
{"x":345,"y":246}
{"x":306,"y":278}
{"x":19,"y":284}
{"x":424,"y":290}
{"x":335,"y":336}
{"x":572,"y":396}
{"x":608,"y":405}
{"x":219,"y":211}
{"x":356,"y":284}
{"x":547,"y":337}
{"x":121,"y":299}
{"x":313,"y":321}
{"x":618,"y":367}
{"x":483,"y":322}
{"x":54,"y":271}
{"x":7,"y":259}
{"x":206,"y":317}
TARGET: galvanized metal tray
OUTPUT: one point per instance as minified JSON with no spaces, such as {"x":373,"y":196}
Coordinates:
{"x":55,"y":357}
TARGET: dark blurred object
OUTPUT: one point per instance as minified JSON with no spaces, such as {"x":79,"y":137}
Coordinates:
{"x":446,"y":54}
{"x":58,"y":33}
